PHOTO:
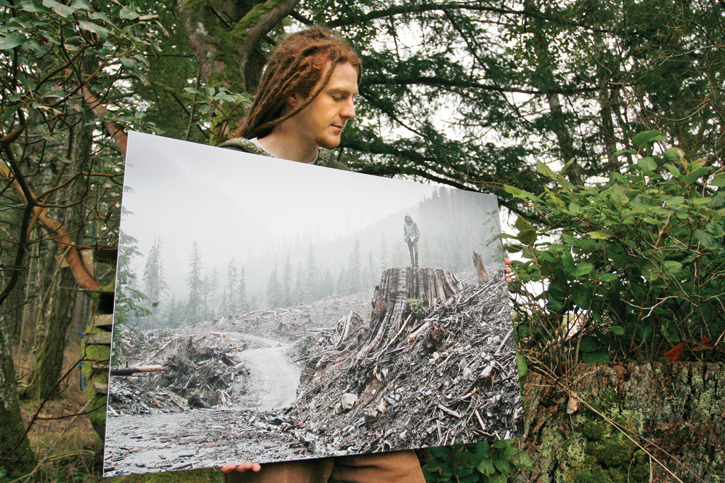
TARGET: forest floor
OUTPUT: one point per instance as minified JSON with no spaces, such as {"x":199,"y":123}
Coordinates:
{"x":230,"y":395}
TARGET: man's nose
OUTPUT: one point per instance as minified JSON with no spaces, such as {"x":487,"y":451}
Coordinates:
{"x":348,"y":111}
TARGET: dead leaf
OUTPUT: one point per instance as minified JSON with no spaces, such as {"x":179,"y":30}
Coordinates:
{"x":674,"y":354}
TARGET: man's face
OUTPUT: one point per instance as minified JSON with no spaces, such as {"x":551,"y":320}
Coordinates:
{"x":323,"y":120}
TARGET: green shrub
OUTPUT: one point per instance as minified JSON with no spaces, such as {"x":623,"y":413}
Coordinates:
{"x":635,"y":261}
{"x":479,"y":462}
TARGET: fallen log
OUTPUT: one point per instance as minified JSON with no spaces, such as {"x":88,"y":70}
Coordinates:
{"x":129,"y":371}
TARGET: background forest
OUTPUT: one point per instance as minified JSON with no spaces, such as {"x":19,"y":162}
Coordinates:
{"x":598,"y":124}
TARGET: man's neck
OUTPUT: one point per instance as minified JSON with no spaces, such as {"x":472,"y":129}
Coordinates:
{"x":285,"y":145}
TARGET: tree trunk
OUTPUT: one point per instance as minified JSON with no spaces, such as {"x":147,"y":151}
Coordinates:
{"x":673,"y":411}
{"x":50,"y":340}
{"x":15,"y":456}
{"x":50,"y":336}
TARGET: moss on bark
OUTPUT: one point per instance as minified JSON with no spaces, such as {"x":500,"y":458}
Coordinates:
{"x":678,"y":407}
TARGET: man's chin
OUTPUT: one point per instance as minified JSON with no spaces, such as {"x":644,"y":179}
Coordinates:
{"x":328,"y":143}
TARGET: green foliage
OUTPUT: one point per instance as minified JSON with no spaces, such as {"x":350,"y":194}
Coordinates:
{"x":479,"y":462}
{"x":415,"y":305}
{"x":635,"y":263}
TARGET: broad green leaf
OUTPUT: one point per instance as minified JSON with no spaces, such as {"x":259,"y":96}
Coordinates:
{"x":674,"y":155}
{"x":481,"y":449}
{"x":607,"y":277}
{"x":567,"y":263}
{"x":498,"y":478}
{"x":625,"y":151}
{"x":29,"y":6}
{"x":128,"y":13}
{"x":672,"y":331}
{"x":600,"y":357}
{"x":101,"y":16}
{"x":81,"y":5}
{"x":584,"y":268}
{"x":575,"y":208}
{"x":517,"y":193}
{"x":523,"y":460}
{"x":527,"y":232}
{"x":719,"y":180}
{"x":701,"y":201}
{"x":543,"y":169}
{"x":643,"y":332}
{"x":600,"y":234}
{"x":673,"y":169}
{"x":646,"y":138}
{"x":589,"y":344}
{"x":676,"y":201}
{"x":503,"y":465}
{"x":707,"y":240}
{"x":59,"y":8}
{"x":12,"y":40}
{"x":582,"y":297}
{"x":619,"y":196}
{"x":617,"y":329}
{"x":648,"y":163}
{"x":102,"y":32}
{"x":521,"y":365}
{"x":486,"y":467}
{"x":695,"y":175}
{"x":673,"y":267}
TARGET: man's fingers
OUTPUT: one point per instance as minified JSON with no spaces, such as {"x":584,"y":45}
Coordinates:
{"x":241,"y":468}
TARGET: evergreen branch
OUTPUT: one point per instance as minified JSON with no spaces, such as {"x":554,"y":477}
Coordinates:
{"x":446,"y":7}
{"x":441,"y":82}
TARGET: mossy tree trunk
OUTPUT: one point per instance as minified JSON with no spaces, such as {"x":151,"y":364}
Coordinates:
{"x":225,"y":37}
{"x":16,"y":457}
{"x":595,"y":423}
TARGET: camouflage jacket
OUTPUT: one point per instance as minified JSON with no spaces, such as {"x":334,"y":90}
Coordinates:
{"x":325,"y":158}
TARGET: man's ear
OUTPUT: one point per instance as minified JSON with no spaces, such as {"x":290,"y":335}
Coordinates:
{"x":294,"y":100}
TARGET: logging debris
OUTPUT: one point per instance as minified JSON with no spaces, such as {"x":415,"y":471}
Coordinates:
{"x":446,"y":375}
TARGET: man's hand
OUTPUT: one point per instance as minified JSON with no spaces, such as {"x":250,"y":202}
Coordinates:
{"x":242,"y":468}
{"x":509,"y":270}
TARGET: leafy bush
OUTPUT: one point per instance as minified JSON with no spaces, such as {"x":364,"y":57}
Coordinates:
{"x":480,"y":462}
{"x":630,"y":266}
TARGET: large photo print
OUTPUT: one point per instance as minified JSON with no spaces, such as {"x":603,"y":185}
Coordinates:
{"x":269,"y":310}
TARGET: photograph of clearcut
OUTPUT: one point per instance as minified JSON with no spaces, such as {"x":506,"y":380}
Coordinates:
{"x":269,"y":310}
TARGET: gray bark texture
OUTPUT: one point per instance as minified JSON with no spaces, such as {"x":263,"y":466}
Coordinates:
{"x":575,"y":425}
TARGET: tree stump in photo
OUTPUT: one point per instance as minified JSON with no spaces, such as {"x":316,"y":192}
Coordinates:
{"x":398,"y":289}
{"x":483,"y":275}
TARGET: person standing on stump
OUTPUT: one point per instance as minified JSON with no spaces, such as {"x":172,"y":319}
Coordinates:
{"x":304,"y":100}
{"x":411,"y":234}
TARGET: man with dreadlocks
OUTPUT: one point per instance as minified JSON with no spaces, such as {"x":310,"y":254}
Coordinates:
{"x":304,"y":100}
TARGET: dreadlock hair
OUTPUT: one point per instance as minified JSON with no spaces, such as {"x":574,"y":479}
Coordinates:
{"x":296,"y":66}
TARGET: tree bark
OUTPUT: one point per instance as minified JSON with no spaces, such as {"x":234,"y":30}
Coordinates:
{"x":673,"y":411}
{"x":50,"y":336}
{"x":15,"y":455}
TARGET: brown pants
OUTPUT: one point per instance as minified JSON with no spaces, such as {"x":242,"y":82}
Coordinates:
{"x":398,"y":467}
